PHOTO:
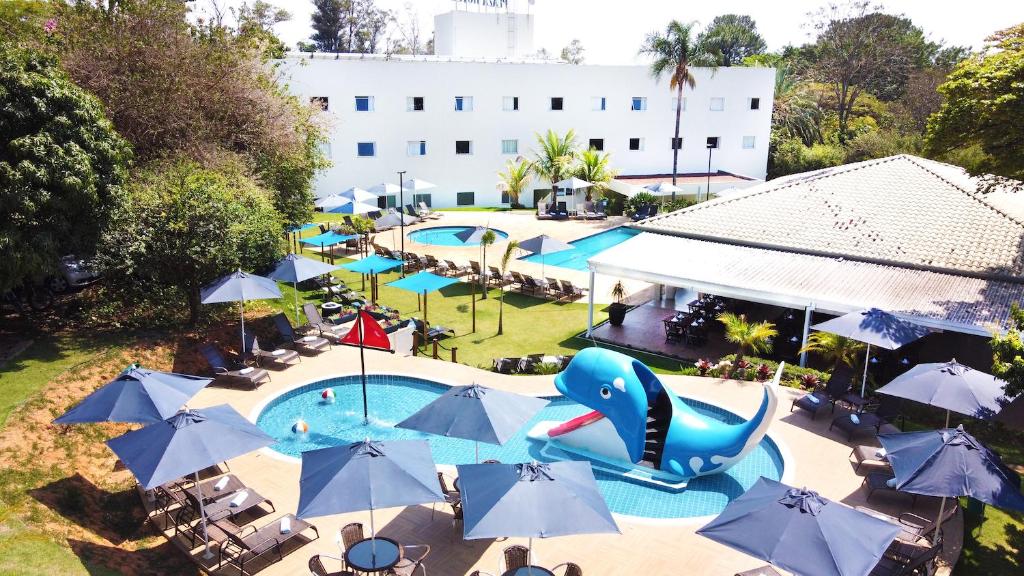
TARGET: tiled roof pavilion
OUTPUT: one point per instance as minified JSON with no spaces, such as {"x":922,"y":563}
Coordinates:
{"x":902,"y":233}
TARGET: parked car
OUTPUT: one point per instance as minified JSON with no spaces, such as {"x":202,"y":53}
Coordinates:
{"x":74,"y":272}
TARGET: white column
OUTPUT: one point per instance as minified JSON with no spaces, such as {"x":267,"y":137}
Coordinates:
{"x":590,"y":306}
{"x":807,"y":330}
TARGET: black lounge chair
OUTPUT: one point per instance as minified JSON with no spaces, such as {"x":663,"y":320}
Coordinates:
{"x":879,"y":481}
{"x":914,"y":526}
{"x":531,"y":285}
{"x":869,"y":423}
{"x":279,"y":358}
{"x":570,"y":291}
{"x":505,"y":365}
{"x":242,"y":547}
{"x":328,"y":330}
{"x":231,"y":373}
{"x":905,"y":560}
{"x":302,"y":344}
{"x":642,"y":212}
{"x":837,"y":387}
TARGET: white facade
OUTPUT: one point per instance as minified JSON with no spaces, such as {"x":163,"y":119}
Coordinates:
{"x":464,"y":149}
{"x":483,"y":34}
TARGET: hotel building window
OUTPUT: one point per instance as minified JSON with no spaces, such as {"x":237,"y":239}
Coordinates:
{"x":417,"y":148}
{"x":364,"y":103}
{"x":463,"y":147}
{"x":465,"y":198}
{"x":713,"y":142}
{"x":597,"y":144}
{"x":639,"y":104}
{"x":417,"y":198}
{"x":463,"y":103}
{"x":510,"y":146}
{"x":755,"y":103}
{"x":675,"y":101}
{"x":677,"y":143}
{"x":557,"y":103}
{"x":598,"y":103}
{"x":510,"y":103}
{"x":414,"y":104}
{"x":717,"y":104}
{"x":636,"y":144}
{"x":366,"y":149}
{"x":748,"y":142}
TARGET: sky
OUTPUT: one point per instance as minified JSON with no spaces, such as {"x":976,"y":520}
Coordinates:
{"x":612,"y":30}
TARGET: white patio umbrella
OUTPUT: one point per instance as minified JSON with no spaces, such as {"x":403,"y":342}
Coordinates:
{"x":384,"y":189}
{"x":663,"y":189}
{"x":357,"y":194}
{"x":416,"y":185}
{"x":573,"y":184}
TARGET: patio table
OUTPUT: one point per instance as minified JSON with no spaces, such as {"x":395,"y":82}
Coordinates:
{"x":529,"y":571}
{"x":330,"y":308}
{"x":369,"y":556}
{"x":209,"y":490}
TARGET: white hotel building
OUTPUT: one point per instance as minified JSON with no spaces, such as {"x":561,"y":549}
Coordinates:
{"x":455,"y":119}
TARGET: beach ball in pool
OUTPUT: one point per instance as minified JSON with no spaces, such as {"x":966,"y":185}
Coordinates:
{"x":328,"y":395}
{"x":300,"y":427}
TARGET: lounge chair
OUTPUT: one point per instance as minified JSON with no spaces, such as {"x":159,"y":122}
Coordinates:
{"x":496,"y":278}
{"x":914,"y":526}
{"x":570,"y":291}
{"x":879,"y":481}
{"x":563,"y":361}
{"x":302,"y":344}
{"x":477,"y":271}
{"x":243,"y":547}
{"x":871,"y":454}
{"x":554,"y":287}
{"x":316,"y":566}
{"x":230,"y":506}
{"x":530,"y":284}
{"x":642,"y":212}
{"x":589,"y":211}
{"x":430,"y":262}
{"x":232,"y":373}
{"x":527,"y":364}
{"x":426,"y":212}
{"x":601,"y":214}
{"x":869,"y":422}
{"x":515,"y":557}
{"x":506,"y":365}
{"x":279,"y":358}
{"x":328,"y":330}
{"x":518,"y":279}
{"x":897,"y":563}
{"x":838,"y":385}
{"x":374,"y":215}
{"x":453,"y":269}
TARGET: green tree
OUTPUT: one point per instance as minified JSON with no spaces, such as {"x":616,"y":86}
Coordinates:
{"x":556,"y":157}
{"x":833,"y":348}
{"x":984,"y":107}
{"x":573,"y":52}
{"x":733,"y":37}
{"x":755,"y":337}
{"x":792,"y":157}
{"x":593,"y":167}
{"x":1008,"y":354}
{"x":506,"y":258}
{"x":327,"y":23}
{"x":61,"y":162}
{"x":486,"y":240}
{"x":348,"y":25}
{"x":256,"y":22}
{"x":795,"y":113}
{"x":516,"y":177}
{"x":674,"y":52}
{"x":181,"y":226}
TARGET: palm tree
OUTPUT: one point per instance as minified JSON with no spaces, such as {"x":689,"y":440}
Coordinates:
{"x":753,"y":336}
{"x":515,"y":177}
{"x":555,"y":158}
{"x":486,"y":240}
{"x":593,"y":168}
{"x":795,"y":112}
{"x":834,"y":348}
{"x":505,"y":259}
{"x":674,"y":52}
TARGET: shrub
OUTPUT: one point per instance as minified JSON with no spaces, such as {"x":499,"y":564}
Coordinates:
{"x":792,"y":374}
{"x":792,"y":157}
{"x":641,"y":199}
{"x":546,"y":368}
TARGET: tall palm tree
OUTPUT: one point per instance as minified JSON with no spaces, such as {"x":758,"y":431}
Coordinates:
{"x":753,"y":336}
{"x":674,"y":53}
{"x":795,"y":112}
{"x":834,"y":348}
{"x":505,"y":259}
{"x":486,"y":240}
{"x":555,"y":158}
{"x":593,"y":168}
{"x":516,"y":177}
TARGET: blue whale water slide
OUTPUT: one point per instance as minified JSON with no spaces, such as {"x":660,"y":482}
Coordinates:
{"x":657,"y":429}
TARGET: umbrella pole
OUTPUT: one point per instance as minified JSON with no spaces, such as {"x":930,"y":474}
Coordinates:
{"x":472,"y":293}
{"x":295,"y":287}
{"x":242,"y":315}
{"x":529,"y":556}
{"x":207,"y":555}
{"x":938,"y":521}
{"x":362,"y":366}
{"x":424,"y":317}
{"x":373,"y":538}
{"x":476,"y":446}
{"x":947,"y":418}
{"x":864,"y":380}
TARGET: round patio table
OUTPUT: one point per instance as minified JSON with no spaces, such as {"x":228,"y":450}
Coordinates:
{"x":529,"y":571}
{"x":330,"y":308}
{"x":374,"y":554}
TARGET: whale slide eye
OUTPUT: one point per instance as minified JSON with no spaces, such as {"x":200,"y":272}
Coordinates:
{"x":606,"y":392}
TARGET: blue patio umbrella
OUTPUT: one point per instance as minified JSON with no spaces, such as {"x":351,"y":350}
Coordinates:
{"x":472,"y":235}
{"x":950,"y":385}
{"x":534,"y":500}
{"x":475,"y":413}
{"x":238,"y":287}
{"x":372,"y":265}
{"x":422,"y":283}
{"x":874,"y":327}
{"x":329,"y":238}
{"x":353,"y":208}
{"x":294,"y":268}
{"x":950,"y":463}
{"x":186,"y":443}
{"x":542,"y":245}
{"x":366,"y":476}
{"x":800,"y":531}
{"x":136,"y":395}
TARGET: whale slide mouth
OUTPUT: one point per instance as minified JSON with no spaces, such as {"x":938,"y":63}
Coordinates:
{"x":576,"y":423}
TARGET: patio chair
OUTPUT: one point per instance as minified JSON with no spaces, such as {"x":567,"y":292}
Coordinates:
{"x":870,"y":454}
{"x":531,"y":285}
{"x":374,"y":215}
{"x":303,"y":344}
{"x":496,"y":278}
{"x":914,"y":526}
{"x":243,"y":547}
{"x":570,"y":291}
{"x":326,"y":329}
{"x":837,"y":387}
{"x":316,"y":566}
{"x":232,"y":374}
{"x":766,"y":570}
{"x":506,"y":365}
{"x":542,"y":212}
{"x":348,"y":221}
{"x":426,"y":212}
{"x":905,"y":566}
{"x":554,"y":287}
{"x":231,"y":505}
{"x":409,"y":563}
{"x":879,"y":481}
{"x":601,"y":214}
{"x":515,"y":557}
{"x":589,"y":211}
{"x":432,"y":262}
{"x":477,"y":271}
{"x":869,"y":422}
{"x":571,"y":569}
{"x":653,"y":211}
{"x":641,"y":212}
{"x":454,"y":269}
{"x":519,"y":279}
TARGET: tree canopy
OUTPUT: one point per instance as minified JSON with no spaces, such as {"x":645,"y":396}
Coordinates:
{"x":733,"y":37}
{"x":573,"y":52}
{"x":355,"y":26}
{"x":61,"y":161}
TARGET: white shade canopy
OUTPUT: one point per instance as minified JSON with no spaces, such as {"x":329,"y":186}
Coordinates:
{"x":416,"y":185}
{"x":384,"y":189}
{"x":662,"y":188}
{"x":573,"y":183}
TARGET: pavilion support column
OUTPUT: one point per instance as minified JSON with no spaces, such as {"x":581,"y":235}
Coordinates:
{"x":590,"y":306}
{"x":808,"y":311}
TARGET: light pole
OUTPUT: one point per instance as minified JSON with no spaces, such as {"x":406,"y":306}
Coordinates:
{"x":401,"y":221}
{"x":707,"y":193}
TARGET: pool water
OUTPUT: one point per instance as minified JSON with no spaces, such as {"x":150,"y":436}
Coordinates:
{"x":584,"y":249}
{"x":391,"y":399}
{"x":447,"y":236}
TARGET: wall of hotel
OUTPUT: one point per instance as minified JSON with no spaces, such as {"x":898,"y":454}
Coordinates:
{"x":391,"y":126}
{"x":483,"y":34}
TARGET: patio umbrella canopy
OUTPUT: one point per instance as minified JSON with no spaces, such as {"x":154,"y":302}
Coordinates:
{"x":329,"y":238}
{"x":393,"y":219}
{"x":542,"y":245}
{"x":137,"y":395}
{"x":353,"y":208}
{"x":331,"y":201}
{"x":357,"y":194}
{"x":294,"y":268}
{"x":186,"y":443}
{"x":800,"y":531}
{"x":475,"y":413}
{"x":474,"y":235}
{"x":417,"y":185}
{"x":949,"y":385}
{"x":384,"y":189}
{"x":874,"y":327}
{"x":423,"y":283}
{"x":372,"y":265}
{"x":663,"y":189}
{"x":238,"y":287}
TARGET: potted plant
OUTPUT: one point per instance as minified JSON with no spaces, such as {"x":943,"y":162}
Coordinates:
{"x":617,"y":310}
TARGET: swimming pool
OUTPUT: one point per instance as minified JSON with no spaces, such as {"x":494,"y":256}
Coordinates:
{"x":447,"y":236}
{"x":393,"y":398}
{"x":585,"y":248}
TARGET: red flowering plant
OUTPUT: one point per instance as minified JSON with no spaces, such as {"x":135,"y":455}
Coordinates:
{"x":763,"y":373}
{"x":703,"y":366}
{"x":809,"y":381}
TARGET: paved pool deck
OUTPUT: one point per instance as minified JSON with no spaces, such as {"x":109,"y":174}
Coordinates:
{"x":816,"y":458}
